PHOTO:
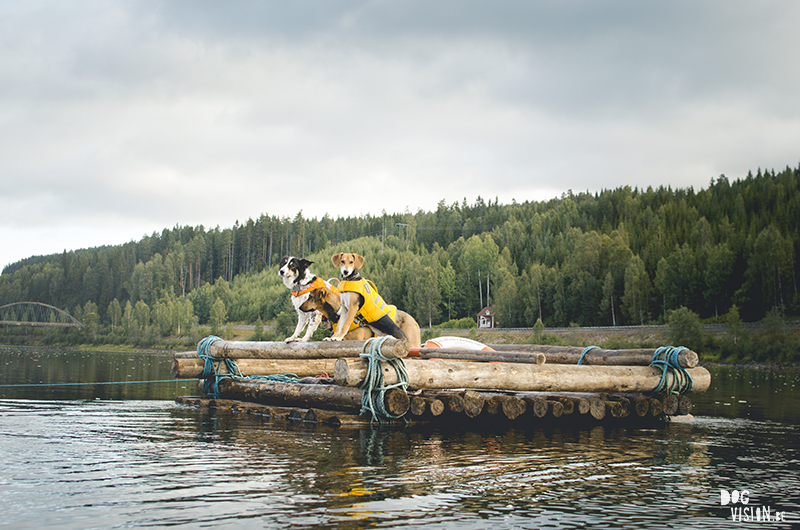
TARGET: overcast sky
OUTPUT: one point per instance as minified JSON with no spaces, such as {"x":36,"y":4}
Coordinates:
{"x":121,"y":118}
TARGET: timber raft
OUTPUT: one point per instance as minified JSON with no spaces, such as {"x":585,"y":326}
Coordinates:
{"x":383,"y":380}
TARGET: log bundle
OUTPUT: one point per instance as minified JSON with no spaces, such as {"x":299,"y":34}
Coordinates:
{"x":525,"y":384}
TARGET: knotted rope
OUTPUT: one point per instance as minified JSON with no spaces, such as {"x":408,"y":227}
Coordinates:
{"x":373,"y":384}
{"x":666,"y":358}
{"x":211,"y":369}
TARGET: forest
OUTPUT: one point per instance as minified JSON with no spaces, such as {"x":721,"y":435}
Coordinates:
{"x":616,"y":257}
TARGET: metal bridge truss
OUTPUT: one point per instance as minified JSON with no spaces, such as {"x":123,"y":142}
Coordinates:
{"x":36,"y":314}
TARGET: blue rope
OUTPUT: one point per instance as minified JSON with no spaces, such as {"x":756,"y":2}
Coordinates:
{"x":585,"y":351}
{"x":211,"y":369}
{"x":666,"y":358}
{"x":373,"y":384}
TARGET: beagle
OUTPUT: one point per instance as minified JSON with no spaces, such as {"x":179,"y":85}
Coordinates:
{"x":360,"y":301}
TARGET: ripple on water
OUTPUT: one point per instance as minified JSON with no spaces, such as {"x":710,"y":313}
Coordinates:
{"x":130,"y":463}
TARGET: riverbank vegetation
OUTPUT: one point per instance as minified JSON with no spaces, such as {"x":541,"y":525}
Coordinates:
{"x":724,"y":254}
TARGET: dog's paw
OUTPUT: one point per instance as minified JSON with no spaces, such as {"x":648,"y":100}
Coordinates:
{"x":289,"y":339}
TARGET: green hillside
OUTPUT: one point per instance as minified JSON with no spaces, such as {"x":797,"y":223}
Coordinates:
{"x":617,"y":257}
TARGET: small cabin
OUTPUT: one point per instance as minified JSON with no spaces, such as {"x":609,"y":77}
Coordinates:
{"x":486,"y":318}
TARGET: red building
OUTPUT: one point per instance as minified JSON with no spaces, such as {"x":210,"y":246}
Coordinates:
{"x":486,"y":318}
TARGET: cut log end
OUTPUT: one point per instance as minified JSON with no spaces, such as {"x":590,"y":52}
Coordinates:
{"x":513,"y":407}
{"x":597,"y":408}
{"x":473,"y":403}
{"x":396,"y":401}
{"x":436,"y":407}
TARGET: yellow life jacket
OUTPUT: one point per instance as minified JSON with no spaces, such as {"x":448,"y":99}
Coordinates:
{"x":374,"y":306}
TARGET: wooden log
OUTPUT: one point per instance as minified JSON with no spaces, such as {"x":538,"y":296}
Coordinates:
{"x":597,"y":357}
{"x":335,"y":418}
{"x":417,"y":406}
{"x":446,"y":374}
{"x":555,"y":408}
{"x":538,"y":405}
{"x":460,"y":354}
{"x":391,"y":349}
{"x":641,"y":406}
{"x":656,"y":408}
{"x":473,"y":403}
{"x":597,"y":408}
{"x":334,"y":397}
{"x":568,"y":404}
{"x":192,"y":368}
{"x":684,"y":405}
{"x":236,"y":406}
{"x":436,"y":406}
{"x":627,"y":406}
{"x":617,"y":409}
{"x":670,"y":404}
{"x":494,"y":404}
{"x":513,"y":407}
{"x":583,"y":406}
{"x":454,"y":403}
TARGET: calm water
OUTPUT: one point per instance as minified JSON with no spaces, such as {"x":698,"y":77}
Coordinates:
{"x":127,"y":456}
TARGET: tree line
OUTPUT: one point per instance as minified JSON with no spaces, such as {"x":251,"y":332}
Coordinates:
{"x":616,"y":257}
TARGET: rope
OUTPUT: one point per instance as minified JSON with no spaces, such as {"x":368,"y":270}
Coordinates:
{"x":211,"y":369}
{"x":666,"y":358}
{"x":373,"y":384}
{"x":585,"y":351}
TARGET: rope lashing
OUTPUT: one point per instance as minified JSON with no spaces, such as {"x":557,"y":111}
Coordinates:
{"x":666,"y":358}
{"x":373,"y":384}
{"x":585,"y":351}
{"x":211,"y":369}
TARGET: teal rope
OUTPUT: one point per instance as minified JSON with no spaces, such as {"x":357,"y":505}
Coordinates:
{"x":666,"y":358}
{"x":212,"y":365}
{"x":585,"y":351}
{"x":373,"y":384}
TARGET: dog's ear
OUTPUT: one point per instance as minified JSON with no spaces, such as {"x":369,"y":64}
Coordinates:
{"x":305,"y":263}
{"x":336,"y":258}
{"x":359,"y":261}
{"x":314,"y":296}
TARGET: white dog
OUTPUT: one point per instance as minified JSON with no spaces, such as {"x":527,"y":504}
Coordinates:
{"x":296,"y":277}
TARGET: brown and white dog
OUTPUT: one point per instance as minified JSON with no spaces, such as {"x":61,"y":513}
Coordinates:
{"x":298,"y":278}
{"x":360,"y":300}
{"x":328,"y":302}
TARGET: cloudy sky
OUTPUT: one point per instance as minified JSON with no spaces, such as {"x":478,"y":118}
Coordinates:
{"x":121,"y":118}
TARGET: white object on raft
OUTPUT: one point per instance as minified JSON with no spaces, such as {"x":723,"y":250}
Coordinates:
{"x":456,"y":342}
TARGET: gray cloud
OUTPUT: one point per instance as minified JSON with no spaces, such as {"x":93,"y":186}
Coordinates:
{"x":118,"y":119}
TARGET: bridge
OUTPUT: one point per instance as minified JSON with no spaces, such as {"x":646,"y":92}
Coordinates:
{"x":36,"y":314}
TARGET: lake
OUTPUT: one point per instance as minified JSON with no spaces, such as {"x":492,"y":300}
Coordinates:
{"x":125,"y":455}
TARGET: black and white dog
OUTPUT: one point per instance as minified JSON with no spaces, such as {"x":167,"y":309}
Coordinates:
{"x":296,"y":277}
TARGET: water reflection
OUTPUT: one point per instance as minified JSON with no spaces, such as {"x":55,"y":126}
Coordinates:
{"x":69,"y":374}
{"x":148,"y":462}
